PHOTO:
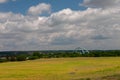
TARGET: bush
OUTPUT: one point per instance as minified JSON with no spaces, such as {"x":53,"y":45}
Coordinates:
{"x":13,"y":58}
{"x":38,"y":54}
{"x":21,"y":57}
{"x":33,"y":57}
{"x":3,"y":60}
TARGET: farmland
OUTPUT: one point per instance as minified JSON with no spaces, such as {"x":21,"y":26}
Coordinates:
{"x":83,"y":68}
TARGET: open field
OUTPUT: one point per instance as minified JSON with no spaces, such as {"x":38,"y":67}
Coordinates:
{"x":104,"y":68}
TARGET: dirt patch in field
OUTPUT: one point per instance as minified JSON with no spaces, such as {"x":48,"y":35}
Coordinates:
{"x":112,"y":77}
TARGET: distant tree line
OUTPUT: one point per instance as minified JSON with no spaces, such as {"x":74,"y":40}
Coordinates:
{"x":57,"y":54}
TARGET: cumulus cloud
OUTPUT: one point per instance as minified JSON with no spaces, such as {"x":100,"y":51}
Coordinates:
{"x":101,"y":4}
{"x":39,"y":9}
{"x":3,"y":1}
{"x":93,"y":28}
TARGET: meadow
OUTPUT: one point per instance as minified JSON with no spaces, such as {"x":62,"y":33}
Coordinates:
{"x":82,"y":68}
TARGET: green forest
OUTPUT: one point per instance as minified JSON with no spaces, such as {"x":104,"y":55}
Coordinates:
{"x":32,"y":55}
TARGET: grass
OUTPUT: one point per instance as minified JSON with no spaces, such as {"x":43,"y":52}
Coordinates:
{"x":104,"y":68}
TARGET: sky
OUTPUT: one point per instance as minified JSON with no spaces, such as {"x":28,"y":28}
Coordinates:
{"x":59,"y":24}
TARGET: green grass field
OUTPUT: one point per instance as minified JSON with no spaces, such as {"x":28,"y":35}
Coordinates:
{"x":107,"y":68}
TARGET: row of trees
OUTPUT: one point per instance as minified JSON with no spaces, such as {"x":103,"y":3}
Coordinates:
{"x":38,"y":55}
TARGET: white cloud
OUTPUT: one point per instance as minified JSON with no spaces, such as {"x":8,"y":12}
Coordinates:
{"x":3,"y":1}
{"x":93,"y":28}
{"x":39,"y":9}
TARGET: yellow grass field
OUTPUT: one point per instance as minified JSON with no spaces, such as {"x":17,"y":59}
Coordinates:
{"x":104,"y":68}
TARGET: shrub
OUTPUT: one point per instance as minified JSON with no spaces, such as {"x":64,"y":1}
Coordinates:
{"x":38,"y":54}
{"x":12,"y":58}
{"x":33,"y":57}
{"x":3,"y":60}
{"x":21,"y":57}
